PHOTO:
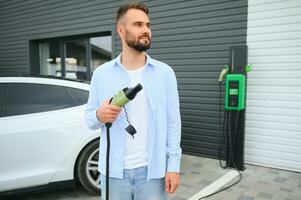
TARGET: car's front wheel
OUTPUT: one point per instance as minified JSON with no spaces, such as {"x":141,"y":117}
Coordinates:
{"x":87,"y":168}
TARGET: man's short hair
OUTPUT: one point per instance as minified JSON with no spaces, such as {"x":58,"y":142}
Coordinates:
{"x":133,"y":5}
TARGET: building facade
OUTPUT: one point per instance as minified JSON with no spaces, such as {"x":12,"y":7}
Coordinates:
{"x":71,"y":38}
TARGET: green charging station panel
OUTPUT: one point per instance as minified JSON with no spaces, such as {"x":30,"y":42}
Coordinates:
{"x":235,"y":92}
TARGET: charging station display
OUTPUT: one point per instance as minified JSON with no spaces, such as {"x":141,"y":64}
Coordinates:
{"x":235,"y":92}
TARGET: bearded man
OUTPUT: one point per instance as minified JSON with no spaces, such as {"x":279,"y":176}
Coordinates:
{"x":144,"y":166}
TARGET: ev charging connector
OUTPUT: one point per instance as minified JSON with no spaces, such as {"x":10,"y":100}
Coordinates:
{"x":126,"y":95}
{"x":120,"y":99}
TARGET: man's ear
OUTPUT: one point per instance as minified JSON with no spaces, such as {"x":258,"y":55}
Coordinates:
{"x":120,"y":30}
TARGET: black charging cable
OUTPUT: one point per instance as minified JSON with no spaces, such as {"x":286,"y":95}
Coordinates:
{"x":223,"y":137}
{"x":108,"y":126}
{"x":122,"y":98}
{"x":226,"y":131}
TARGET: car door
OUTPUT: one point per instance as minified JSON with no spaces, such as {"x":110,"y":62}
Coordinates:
{"x":40,"y":125}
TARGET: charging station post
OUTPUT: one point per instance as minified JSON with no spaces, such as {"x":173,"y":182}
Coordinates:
{"x":233,"y":134}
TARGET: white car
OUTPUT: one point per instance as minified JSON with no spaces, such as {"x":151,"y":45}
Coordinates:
{"x":43,"y":136}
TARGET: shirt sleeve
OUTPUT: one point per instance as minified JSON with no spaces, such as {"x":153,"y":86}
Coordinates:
{"x":92,"y":105}
{"x":174,"y":150}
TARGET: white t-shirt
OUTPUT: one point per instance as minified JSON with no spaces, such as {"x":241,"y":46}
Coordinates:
{"x":138,"y":110}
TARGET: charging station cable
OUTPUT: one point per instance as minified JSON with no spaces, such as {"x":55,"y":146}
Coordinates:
{"x":227,"y":132}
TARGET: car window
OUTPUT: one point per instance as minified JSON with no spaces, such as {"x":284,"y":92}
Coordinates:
{"x":26,"y":98}
{"x":78,"y":95}
{"x":1,"y":97}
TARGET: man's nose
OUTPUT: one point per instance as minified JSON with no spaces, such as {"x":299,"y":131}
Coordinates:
{"x":146,"y":29}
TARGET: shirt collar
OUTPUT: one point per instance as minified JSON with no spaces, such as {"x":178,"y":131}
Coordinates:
{"x":149,"y":60}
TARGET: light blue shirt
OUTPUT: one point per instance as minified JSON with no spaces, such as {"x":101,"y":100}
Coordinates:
{"x":164,"y":132}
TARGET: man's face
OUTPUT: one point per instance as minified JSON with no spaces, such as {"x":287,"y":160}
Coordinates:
{"x":137,"y":32}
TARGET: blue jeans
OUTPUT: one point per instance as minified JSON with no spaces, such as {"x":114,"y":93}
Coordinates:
{"x":134,"y":186}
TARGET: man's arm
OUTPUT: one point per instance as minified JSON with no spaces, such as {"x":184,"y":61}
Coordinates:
{"x":174,"y":150}
{"x":97,"y":115}
{"x":92,"y":106}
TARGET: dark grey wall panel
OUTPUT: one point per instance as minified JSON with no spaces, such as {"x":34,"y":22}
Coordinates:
{"x":193,"y":37}
{"x":21,"y":21}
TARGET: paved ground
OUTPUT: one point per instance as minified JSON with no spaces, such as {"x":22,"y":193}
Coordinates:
{"x":259,"y":183}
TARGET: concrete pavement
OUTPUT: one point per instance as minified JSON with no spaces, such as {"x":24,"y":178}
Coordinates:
{"x":258,"y":183}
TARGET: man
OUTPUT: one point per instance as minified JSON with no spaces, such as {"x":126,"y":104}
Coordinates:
{"x":144,"y":166}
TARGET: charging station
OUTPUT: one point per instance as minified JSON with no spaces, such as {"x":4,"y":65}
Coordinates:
{"x":233,"y":132}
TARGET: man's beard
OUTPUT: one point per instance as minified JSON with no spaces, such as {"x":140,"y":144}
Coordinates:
{"x":139,"y":46}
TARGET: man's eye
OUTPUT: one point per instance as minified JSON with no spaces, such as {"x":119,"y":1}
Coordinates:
{"x":138,"y":24}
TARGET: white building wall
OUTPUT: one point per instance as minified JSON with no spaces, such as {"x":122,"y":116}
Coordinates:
{"x":273,"y":116}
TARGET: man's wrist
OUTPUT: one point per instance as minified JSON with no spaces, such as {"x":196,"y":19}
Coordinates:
{"x":98,"y":118}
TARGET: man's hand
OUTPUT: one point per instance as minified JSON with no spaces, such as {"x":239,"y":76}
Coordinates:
{"x":172,"y":180}
{"x":107,"y":113}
